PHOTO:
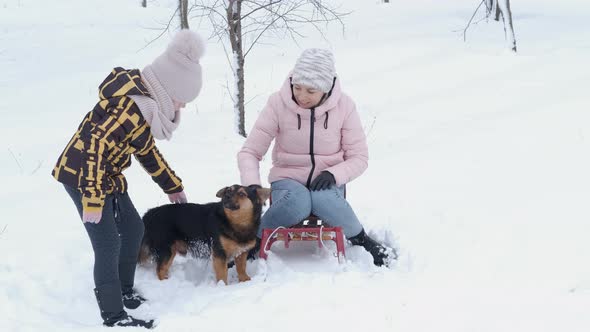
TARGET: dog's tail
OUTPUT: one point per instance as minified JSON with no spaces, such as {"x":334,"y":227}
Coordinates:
{"x":145,"y":254}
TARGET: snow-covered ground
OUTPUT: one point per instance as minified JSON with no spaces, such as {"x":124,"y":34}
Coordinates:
{"x":479,"y":171}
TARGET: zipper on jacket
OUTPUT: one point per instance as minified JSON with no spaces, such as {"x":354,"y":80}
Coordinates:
{"x":311,"y":134}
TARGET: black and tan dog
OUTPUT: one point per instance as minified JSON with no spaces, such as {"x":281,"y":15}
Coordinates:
{"x":226,"y":230}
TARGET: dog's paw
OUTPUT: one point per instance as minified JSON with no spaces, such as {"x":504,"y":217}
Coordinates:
{"x":244,"y":277}
{"x":162,"y":275}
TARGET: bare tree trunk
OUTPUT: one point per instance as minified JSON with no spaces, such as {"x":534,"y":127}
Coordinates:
{"x":497,"y":9}
{"x":144,"y":3}
{"x":183,"y":9}
{"x":492,"y":9}
{"x":507,"y":18}
{"x":234,"y":14}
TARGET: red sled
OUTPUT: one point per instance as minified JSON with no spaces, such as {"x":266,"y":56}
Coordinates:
{"x":304,"y":232}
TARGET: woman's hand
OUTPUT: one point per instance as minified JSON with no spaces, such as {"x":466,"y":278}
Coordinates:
{"x":323,"y":181}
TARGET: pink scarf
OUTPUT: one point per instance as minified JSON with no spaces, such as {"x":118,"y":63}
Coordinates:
{"x":158,"y":110}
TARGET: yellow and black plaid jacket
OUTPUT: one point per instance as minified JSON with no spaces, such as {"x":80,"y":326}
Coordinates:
{"x":101,"y":148}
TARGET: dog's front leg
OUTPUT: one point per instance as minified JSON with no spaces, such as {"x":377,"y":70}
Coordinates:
{"x":220,"y":267}
{"x":241,"y":266}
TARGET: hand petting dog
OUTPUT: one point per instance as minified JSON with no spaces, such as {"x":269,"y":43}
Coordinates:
{"x":179,"y":197}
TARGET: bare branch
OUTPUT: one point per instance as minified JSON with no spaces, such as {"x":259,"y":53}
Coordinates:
{"x":258,"y":37}
{"x":210,"y":9}
{"x":295,"y":14}
{"x":259,"y":8}
{"x":229,"y":92}
{"x":16,"y":160}
{"x":368,"y":131}
{"x":471,"y":19}
{"x":39,"y":163}
{"x":249,"y":100}
{"x":231,"y":64}
{"x":161,"y":33}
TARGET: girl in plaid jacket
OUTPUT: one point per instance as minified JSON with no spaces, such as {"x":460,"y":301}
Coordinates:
{"x":134,"y":108}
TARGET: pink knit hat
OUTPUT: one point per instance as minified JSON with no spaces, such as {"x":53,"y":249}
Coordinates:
{"x":178,"y":68}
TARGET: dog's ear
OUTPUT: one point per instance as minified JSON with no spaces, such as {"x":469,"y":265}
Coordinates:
{"x":263,"y":194}
{"x":221,"y":192}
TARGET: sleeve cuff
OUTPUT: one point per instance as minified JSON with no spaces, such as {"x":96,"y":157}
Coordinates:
{"x":174,"y":190}
{"x":92,"y":204}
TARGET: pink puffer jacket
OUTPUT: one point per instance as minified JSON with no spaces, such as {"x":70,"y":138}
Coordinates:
{"x":335,"y":142}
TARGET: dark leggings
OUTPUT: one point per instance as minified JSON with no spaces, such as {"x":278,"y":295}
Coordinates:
{"x":115,"y":239}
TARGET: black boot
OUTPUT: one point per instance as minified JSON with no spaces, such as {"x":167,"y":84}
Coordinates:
{"x":110,"y":303}
{"x":133,"y":322}
{"x":132,"y":299}
{"x":381,"y":255}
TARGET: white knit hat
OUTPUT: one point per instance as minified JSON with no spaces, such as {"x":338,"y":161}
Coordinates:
{"x":315,"y":68}
{"x":178,"y":68}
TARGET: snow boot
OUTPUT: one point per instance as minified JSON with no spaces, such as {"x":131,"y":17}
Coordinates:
{"x":381,"y":254}
{"x":110,"y":303}
{"x":132,"y":299}
{"x":133,"y":322}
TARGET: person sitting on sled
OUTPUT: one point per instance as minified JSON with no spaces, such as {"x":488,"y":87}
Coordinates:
{"x":319,"y":147}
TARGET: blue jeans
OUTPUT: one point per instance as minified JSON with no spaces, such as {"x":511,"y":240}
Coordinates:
{"x":292,"y":202}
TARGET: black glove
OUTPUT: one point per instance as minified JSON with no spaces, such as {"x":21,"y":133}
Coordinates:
{"x":323,"y":181}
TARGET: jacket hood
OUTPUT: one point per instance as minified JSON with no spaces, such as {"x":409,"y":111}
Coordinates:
{"x":122,"y":82}
{"x":286,"y":94}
